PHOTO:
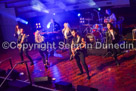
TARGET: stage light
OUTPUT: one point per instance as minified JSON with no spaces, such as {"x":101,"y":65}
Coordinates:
{"x":38,"y":25}
{"x":99,"y":9}
{"x":92,"y":3}
{"x":54,"y":13}
{"x":39,"y":6}
{"x":48,"y":25}
{"x":78,"y":14}
{"x":26,"y":23}
{"x":61,"y":5}
{"x":72,"y":1}
{"x":21,"y":20}
{"x":45,"y":11}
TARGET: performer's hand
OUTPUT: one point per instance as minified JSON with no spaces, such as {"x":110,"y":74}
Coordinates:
{"x":77,"y":48}
{"x":19,"y":46}
{"x":73,"y":54}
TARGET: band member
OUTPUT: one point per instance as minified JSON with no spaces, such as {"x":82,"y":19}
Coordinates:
{"x":67,"y":35}
{"x":53,"y":26}
{"x":77,"y":48}
{"x":40,"y":39}
{"x":22,"y":38}
{"x":54,"y":33}
{"x":112,"y":38}
{"x":111,"y":18}
{"x":17,"y":32}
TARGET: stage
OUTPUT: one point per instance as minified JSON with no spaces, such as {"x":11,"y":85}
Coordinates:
{"x":105,"y":74}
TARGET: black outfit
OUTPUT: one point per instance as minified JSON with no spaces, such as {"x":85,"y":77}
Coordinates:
{"x":109,"y":39}
{"x":42,"y":54}
{"x":54,"y":27}
{"x":80,"y":55}
{"x":68,"y":40}
{"x":23,"y":50}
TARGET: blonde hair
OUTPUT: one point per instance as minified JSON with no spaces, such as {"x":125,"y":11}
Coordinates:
{"x":67,"y":24}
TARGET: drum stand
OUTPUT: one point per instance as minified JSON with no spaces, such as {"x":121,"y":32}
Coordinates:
{"x":107,"y":54}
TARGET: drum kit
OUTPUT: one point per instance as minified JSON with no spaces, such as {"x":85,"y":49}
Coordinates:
{"x":96,"y":31}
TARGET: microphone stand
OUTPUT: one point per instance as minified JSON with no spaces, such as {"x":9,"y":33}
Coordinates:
{"x":98,"y":14}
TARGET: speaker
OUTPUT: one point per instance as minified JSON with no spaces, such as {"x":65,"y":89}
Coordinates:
{"x":14,"y":75}
{"x":42,"y":80}
{"x":85,"y":88}
{"x":2,"y":72}
{"x":66,"y":86}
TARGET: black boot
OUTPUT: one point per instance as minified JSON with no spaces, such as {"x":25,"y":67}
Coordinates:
{"x":88,"y":77}
{"x":32,"y":63}
{"x":80,"y":73}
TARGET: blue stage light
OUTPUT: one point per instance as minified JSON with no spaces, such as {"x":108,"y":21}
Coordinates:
{"x":99,"y":9}
{"x":21,"y":20}
{"x":79,"y":15}
{"x":26,"y":23}
{"x":54,"y":13}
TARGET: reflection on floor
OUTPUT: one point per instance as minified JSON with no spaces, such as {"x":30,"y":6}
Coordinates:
{"x":105,"y":75}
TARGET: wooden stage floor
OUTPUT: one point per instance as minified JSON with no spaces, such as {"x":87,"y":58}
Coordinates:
{"x":105,"y":75}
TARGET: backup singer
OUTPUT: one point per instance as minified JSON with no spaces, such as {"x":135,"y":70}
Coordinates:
{"x":78,"y":52}
{"x":112,"y":38}
{"x":17,"y":31}
{"x":67,"y":35}
{"x":22,"y":38}
{"x":40,"y":39}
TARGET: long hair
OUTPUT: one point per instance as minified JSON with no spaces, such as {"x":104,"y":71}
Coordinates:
{"x":67,"y":25}
{"x":16,"y":29}
{"x":111,"y":25}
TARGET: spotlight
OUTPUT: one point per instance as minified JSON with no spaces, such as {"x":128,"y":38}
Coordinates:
{"x":21,"y":20}
{"x":26,"y":23}
{"x":99,"y":9}
{"x":54,"y":13}
{"x":79,"y":15}
{"x":39,"y":6}
{"x":38,"y":25}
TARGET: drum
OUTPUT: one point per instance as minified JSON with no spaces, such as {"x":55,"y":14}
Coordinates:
{"x":97,"y":36}
{"x":94,"y":37}
{"x":97,"y":27}
{"x":90,"y":38}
